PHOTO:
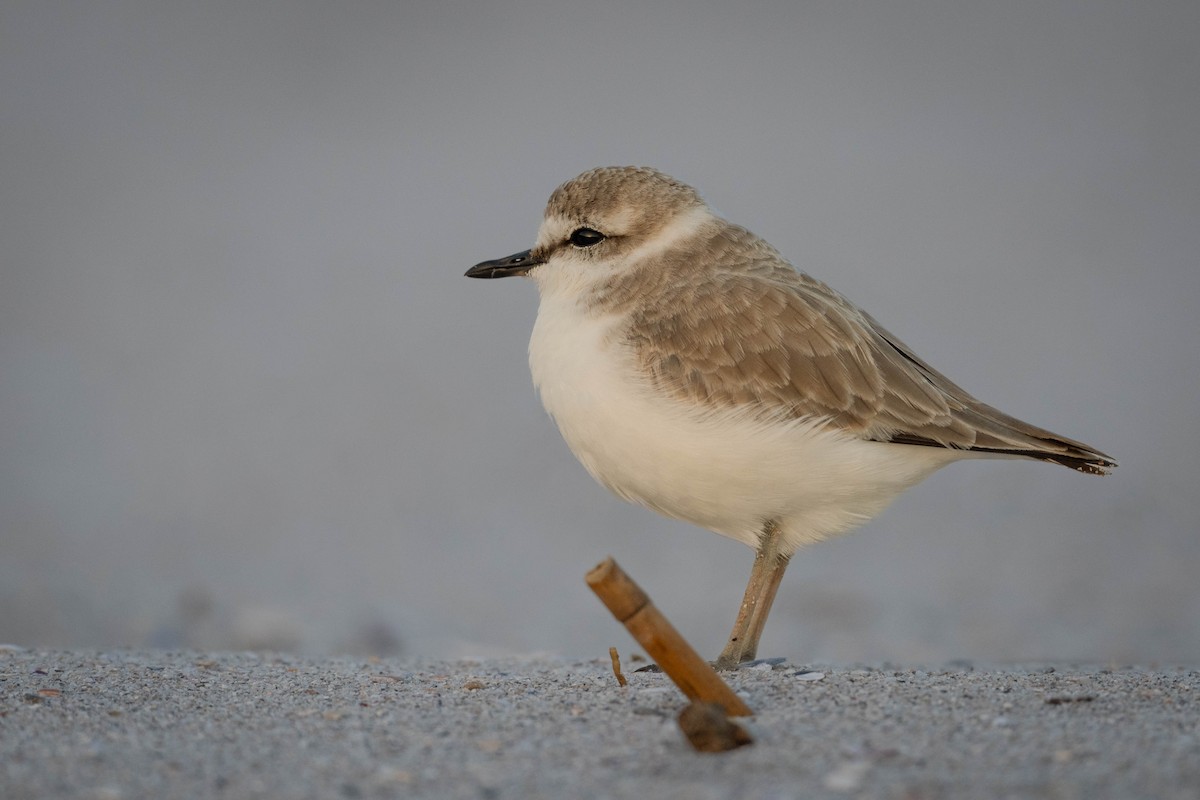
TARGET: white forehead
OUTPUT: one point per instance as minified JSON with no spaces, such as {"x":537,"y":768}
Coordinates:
{"x":556,"y":228}
{"x":616,"y":221}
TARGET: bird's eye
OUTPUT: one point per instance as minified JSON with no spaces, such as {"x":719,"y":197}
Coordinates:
{"x":586,"y":237}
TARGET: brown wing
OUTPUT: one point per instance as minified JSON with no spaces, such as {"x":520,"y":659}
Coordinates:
{"x":761,"y":336}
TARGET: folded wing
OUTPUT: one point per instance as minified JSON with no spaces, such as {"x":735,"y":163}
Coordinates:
{"x":762,"y":337}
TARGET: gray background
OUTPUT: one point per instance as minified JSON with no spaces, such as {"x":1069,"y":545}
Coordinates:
{"x":247,"y":399}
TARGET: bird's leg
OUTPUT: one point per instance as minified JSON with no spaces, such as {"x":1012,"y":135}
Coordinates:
{"x":769,"y":565}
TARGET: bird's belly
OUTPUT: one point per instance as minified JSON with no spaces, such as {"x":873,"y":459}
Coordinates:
{"x":723,"y":470}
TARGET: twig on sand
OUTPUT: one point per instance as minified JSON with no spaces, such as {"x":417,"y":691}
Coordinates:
{"x":616,"y":664}
{"x":633,"y":608}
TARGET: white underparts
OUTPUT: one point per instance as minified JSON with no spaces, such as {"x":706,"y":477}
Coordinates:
{"x":723,"y":470}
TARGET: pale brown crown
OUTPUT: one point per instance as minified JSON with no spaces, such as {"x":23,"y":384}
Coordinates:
{"x":601,"y":191}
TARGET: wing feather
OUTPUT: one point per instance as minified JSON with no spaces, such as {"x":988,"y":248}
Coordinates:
{"x":757,"y":335}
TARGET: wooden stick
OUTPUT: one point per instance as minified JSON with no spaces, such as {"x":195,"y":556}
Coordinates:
{"x":633,"y":608}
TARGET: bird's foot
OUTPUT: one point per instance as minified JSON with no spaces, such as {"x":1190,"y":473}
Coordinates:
{"x":723,"y":665}
{"x":719,"y":666}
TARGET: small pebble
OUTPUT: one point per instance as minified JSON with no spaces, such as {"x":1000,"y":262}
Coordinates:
{"x":709,"y":730}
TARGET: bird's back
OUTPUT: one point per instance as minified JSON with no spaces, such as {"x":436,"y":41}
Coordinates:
{"x":746,"y":330}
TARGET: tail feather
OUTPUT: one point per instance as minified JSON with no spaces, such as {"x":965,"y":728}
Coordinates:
{"x":998,"y":433}
{"x":1092,"y":463}
{"x":990,"y":430}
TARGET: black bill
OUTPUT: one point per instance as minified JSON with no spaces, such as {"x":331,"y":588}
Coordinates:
{"x":516,"y":264}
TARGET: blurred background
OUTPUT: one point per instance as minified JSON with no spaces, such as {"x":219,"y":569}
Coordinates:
{"x":247,"y":399}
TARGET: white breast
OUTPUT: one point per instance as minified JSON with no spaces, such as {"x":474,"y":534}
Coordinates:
{"x":721,"y":470}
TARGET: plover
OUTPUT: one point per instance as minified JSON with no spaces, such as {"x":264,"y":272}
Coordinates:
{"x":694,"y":371}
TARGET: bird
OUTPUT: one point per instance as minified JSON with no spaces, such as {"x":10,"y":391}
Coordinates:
{"x":694,"y":371}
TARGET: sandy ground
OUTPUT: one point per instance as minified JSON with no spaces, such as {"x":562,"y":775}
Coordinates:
{"x":159,"y":724}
